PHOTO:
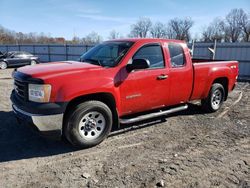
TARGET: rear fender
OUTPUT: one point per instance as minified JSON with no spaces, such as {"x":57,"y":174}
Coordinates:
{"x":215,"y":75}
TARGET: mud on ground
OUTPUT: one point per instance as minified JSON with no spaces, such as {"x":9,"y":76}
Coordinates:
{"x":188,"y":149}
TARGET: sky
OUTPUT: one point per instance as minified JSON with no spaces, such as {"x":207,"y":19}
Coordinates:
{"x":68,"y":18}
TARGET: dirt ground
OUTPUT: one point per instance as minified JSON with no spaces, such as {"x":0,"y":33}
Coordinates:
{"x":189,"y":149}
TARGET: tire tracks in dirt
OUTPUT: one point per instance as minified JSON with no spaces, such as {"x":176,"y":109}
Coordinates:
{"x":225,"y":111}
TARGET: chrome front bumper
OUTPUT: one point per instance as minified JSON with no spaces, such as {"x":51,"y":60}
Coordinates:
{"x":48,"y":124}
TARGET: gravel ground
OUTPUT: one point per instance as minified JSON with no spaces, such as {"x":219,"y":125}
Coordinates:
{"x":188,"y":149}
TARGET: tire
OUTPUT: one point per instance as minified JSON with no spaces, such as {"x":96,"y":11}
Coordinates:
{"x":88,"y":124}
{"x":3,"y":65}
{"x":33,"y":62}
{"x":215,"y":98}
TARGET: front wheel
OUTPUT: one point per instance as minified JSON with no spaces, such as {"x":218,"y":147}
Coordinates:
{"x":88,"y":124}
{"x":3,"y":65}
{"x":215,"y":98}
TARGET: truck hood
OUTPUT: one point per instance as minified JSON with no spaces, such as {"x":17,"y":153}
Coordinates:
{"x":45,"y":70}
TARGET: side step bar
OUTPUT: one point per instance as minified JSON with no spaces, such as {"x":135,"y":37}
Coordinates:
{"x":153,"y":115}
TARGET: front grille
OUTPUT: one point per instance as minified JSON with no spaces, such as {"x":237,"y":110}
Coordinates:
{"x":21,"y":89}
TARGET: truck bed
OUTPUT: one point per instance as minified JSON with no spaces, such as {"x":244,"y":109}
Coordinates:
{"x":205,"y":73}
{"x":206,"y":60}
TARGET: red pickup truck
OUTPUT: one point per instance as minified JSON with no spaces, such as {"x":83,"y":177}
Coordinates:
{"x":117,"y":82}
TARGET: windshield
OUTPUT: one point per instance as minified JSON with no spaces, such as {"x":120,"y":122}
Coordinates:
{"x":107,"y":54}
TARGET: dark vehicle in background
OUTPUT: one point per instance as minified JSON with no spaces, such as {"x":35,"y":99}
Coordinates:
{"x":17,"y":59}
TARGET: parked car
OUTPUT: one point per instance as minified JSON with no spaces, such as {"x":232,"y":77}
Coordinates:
{"x":118,"y":82}
{"x":17,"y":59}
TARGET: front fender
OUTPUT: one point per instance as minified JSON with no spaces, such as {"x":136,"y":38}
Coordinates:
{"x":69,"y":91}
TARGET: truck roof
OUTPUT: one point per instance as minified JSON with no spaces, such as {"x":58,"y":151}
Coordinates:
{"x":148,"y":40}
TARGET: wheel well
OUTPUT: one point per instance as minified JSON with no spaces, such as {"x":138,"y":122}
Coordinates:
{"x":224,"y":82}
{"x":106,"y":98}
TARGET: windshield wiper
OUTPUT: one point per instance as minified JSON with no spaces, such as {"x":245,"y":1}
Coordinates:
{"x":95,"y":61}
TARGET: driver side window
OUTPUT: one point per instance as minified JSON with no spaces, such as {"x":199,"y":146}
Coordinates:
{"x":153,"y":53}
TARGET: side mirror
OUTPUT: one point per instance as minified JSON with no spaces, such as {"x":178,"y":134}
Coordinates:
{"x":138,"y":64}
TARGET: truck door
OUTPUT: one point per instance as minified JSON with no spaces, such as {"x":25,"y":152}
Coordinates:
{"x":145,"y":89}
{"x":180,"y":73}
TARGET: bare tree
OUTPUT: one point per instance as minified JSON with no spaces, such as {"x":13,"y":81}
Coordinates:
{"x":5,"y":36}
{"x":12,"y":37}
{"x":215,"y":31}
{"x":75,"y":40}
{"x":158,"y":30}
{"x":92,"y":38}
{"x":141,"y":28}
{"x":170,"y":33}
{"x":233,"y":27}
{"x":245,"y":25}
{"x":114,"y":35}
{"x":181,"y":28}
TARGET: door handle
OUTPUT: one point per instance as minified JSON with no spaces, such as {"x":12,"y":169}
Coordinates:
{"x":162,"y":77}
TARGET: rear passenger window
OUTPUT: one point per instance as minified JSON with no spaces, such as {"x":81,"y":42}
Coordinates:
{"x":177,"y":55}
{"x":153,"y":53}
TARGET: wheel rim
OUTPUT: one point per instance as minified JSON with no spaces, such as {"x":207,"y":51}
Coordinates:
{"x":3,"y":65}
{"x":92,"y":125}
{"x":216,"y":99}
{"x":33,"y":62}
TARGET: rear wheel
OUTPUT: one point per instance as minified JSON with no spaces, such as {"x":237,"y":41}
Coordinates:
{"x":88,"y":124}
{"x":3,"y":65}
{"x":215,"y":98}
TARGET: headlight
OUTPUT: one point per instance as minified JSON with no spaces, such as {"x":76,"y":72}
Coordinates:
{"x":39,"y":93}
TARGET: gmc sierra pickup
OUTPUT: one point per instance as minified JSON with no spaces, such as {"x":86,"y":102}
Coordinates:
{"x":117,"y":82}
